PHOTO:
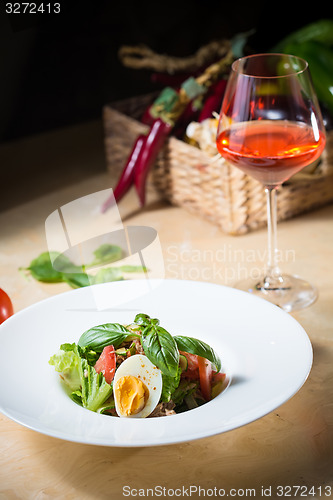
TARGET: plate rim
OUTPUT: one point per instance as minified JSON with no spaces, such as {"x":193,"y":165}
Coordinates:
{"x":194,"y":436}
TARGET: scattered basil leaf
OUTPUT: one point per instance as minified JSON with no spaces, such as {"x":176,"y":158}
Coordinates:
{"x":98,"y":337}
{"x":77,"y":280}
{"x":42,"y":268}
{"x":105,"y":275}
{"x":198,"y":347}
{"x":133,"y":269}
{"x":64,"y":265}
{"x":106,"y":253}
{"x":54,"y":267}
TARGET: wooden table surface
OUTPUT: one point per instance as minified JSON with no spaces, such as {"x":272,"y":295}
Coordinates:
{"x":289,"y":448}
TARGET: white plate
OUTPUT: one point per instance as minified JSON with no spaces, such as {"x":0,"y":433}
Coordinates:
{"x":265,"y":351}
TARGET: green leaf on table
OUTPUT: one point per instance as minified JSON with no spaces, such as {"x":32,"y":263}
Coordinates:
{"x":55,"y":267}
{"x":77,"y":280}
{"x":64,"y":265}
{"x":50,"y":267}
{"x":42,"y":268}
{"x":105,"y":254}
{"x":105,"y":275}
{"x":133,"y":269}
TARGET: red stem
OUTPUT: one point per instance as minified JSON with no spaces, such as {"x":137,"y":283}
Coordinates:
{"x":126,"y":179}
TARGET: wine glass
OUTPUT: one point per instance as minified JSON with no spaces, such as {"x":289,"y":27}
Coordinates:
{"x":271,"y":127}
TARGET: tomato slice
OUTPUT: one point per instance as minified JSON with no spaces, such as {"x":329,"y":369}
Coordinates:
{"x":205,"y":377}
{"x":106,"y":363}
{"x":192,"y":360}
{"x":6,"y":306}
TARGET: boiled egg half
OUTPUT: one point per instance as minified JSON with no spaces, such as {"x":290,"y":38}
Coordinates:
{"x":137,"y":387}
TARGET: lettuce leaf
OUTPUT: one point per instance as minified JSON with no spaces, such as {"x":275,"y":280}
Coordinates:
{"x":184,"y":389}
{"x":66,"y":361}
{"x":95,"y":389}
{"x":87,"y":387}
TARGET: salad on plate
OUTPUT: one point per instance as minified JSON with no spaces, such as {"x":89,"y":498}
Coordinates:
{"x":138,"y":370}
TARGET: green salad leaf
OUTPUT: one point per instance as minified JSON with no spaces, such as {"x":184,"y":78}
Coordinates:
{"x":169,"y":386}
{"x":184,"y":389}
{"x":66,"y":362}
{"x":160,"y":347}
{"x":76,"y":362}
{"x":98,"y":337}
{"x":142,"y":319}
{"x":95,"y":390}
{"x":198,"y":347}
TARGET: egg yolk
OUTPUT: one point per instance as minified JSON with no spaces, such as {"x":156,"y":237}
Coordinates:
{"x":131,"y":395}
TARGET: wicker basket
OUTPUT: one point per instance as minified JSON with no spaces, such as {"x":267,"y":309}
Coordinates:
{"x":190,"y":178}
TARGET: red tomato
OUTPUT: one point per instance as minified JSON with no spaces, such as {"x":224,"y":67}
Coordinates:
{"x":192,"y":360}
{"x":6,"y":306}
{"x":205,"y":377}
{"x":106,"y":363}
{"x":218,"y":377}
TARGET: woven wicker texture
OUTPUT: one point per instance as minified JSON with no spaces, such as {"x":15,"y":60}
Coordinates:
{"x":211,"y":188}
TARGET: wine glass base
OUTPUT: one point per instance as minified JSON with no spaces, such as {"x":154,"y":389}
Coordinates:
{"x":291,"y":293}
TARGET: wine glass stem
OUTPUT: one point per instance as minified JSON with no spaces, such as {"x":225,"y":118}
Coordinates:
{"x":273,"y":273}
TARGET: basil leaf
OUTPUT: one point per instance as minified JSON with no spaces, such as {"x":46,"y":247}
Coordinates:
{"x":42,"y":269}
{"x":142,"y":319}
{"x":170,"y":384}
{"x":107,"y":274}
{"x":133,"y":269}
{"x":62,"y":264}
{"x":52,"y":267}
{"x":76,"y":280}
{"x":106,"y":253}
{"x":98,"y":337}
{"x":145,"y":320}
{"x":160,"y":347}
{"x":198,"y":347}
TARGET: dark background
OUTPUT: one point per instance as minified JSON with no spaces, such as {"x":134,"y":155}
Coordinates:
{"x":60,"y":69}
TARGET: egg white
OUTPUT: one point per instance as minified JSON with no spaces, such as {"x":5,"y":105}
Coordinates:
{"x":141,"y":367}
